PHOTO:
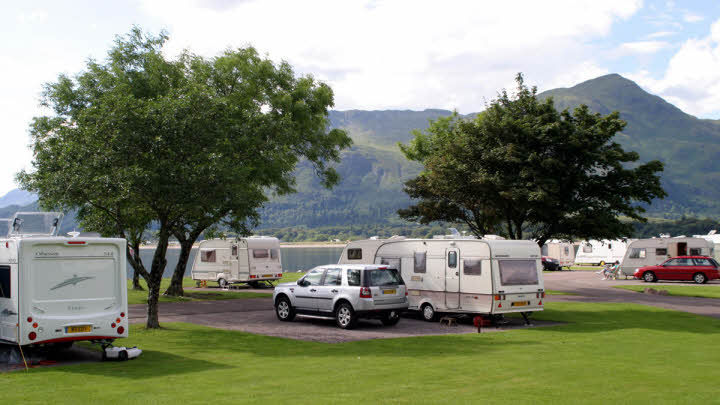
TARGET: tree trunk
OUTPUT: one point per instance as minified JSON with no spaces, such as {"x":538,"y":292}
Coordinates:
{"x":136,"y":281}
{"x":158,"y":267}
{"x":176,"y":287}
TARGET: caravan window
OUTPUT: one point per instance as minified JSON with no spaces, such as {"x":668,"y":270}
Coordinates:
{"x":695,"y":251}
{"x":274,"y":254}
{"x":567,"y":250}
{"x":354,"y":254}
{"x":233,"y":250}
{"x":260,"y":253}
{"x":4,"y":281}
{"x":452,"y":259}
{"x":587,"y":248}
{"x":637,"y":253}
{"x":660,"y":251}
{"x":207,"y":255}
{"x":518,"y":272}
{"x":420,"y":262}
{"x":472,"y":267}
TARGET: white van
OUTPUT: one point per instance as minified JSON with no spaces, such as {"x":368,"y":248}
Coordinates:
{"x":563,"y":251}
{"x":57,"y":290}
{"x":654,"y":251}
{"x":460,"y":275}
{"x":599,"y":252}
{"x":244,"y":260}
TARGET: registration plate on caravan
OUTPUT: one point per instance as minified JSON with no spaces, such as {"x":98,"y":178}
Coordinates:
{"x":267,"y":275}
{"x":78,"y":329}
{"x":520,"y":303}
{"x":388,"y":291}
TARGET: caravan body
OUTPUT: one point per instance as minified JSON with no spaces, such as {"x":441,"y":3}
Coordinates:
{"x":60,"y":289}
{"x":242,"y":260}
{"x":654,"y":251}
{"x":460,"y":275}
{"x":599,"y":252}
{"x":564,"y":252}
{"x":714,"y":238}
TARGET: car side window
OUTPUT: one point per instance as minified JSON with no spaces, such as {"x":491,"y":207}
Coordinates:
{"x":313,"y":277}
{"x":333,"y":277}
{"x":702,"y":262}
{"x":353,"y":277}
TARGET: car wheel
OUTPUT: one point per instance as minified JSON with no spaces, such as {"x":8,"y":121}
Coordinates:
{"x":123,"y":355}
{"x":345,"y":316}
{"x":649,"y":277}
{"x":699,"y":278}
{"x":391,"y":318}
{"x":428,"y":313}
{"x":284,"y":310}
{"x":222,"y":283}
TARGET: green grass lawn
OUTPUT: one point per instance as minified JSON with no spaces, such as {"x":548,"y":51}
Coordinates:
{"x":211,"y":294}
{"x":605,"y":353}
{"x":702,"y":291}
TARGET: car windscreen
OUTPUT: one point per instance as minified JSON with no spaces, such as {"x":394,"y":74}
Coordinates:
{"x":382,"y":277}
{"x":518,"y":272}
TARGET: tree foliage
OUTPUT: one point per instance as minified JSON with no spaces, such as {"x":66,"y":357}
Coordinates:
{"x":523,"y":169}
{"x":185,"y":142}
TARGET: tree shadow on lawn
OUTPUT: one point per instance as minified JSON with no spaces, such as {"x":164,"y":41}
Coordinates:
{"x":151,"y":363}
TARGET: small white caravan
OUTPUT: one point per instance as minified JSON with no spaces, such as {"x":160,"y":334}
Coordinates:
{"x":460,"y":275}
{"x":563,"y":251}
{"x":243,"y":260}
{"x":714,"y":238}
{"x":57,"y":290}
{"x":599,"y":252}
{"x":654,"y":251}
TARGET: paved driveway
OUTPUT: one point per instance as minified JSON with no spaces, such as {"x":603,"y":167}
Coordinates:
{"x":591,"y":288}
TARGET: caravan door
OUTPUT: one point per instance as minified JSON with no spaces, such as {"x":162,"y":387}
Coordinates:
{"x":233,"y":262}
{"x":8,"y":307}
{"x":452,"y":278}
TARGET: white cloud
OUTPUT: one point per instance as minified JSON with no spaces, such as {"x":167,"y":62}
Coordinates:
{"x":407,"y":53}
{"x":692,"y":18}
{"x":642,"y":47}
{"x":692,"y":78}
{"x":660,"y":34}
{"x":33,"y":17}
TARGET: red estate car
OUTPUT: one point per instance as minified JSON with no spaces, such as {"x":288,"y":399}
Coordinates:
{"x":699,"y":269}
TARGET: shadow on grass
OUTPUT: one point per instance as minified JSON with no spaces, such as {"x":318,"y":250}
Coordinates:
{"x":152,"y":363}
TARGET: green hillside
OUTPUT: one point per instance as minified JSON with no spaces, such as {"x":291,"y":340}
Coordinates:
{"x":689,"y":147}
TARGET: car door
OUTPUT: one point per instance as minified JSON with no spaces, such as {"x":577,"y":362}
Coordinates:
{"x":671,"y":269}
{"x":685,"y":269}
{"x":702,"y":265}
{"x":307,"y":288}
{"x":329,"y":289}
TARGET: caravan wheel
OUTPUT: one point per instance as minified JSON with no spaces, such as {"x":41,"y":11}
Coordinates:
{"x":428,"y":312}
{"x":222,"y":283}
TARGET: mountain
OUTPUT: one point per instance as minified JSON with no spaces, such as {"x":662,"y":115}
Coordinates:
{"x":17,"y":197}
{"x":373,"y":170}
{"x":689,"y":147}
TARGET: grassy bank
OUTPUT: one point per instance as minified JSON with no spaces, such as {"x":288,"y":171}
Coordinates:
{"x":210,"y":294}
{"x":702,"y":291}
{"x":606,"y":353}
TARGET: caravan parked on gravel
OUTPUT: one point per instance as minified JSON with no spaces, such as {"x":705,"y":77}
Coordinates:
{"x":562,"y":251}
{"x":655,"y":251}
{"x":57,"y":290}
{"x":599,"y":252}
{"x":460,"y":275}
{"x":249,"y":260}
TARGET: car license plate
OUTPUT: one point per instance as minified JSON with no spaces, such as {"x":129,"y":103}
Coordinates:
{"x":388,"y":291}
{"x":267,"y":275}
{"x":78,"y":329}
{"x":520,"y":303}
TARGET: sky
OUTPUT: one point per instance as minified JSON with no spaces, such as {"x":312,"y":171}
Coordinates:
{"x":375,"y":54}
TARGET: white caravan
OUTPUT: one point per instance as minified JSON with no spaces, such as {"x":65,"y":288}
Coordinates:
{"x":57,"y":290}
{"x":714,"y":238}
{"x":460,"y":275}
{"x":599,"y":252}
{"x":654,"y":251}
{"x":563,"y":251}
{"x":243,"y":260}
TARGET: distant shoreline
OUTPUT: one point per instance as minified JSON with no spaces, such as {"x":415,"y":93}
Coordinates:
{"x":291,"y":245}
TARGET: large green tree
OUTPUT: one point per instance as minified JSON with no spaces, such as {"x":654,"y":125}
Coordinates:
{"x":526,"y":170}
{"x":192,"y":141}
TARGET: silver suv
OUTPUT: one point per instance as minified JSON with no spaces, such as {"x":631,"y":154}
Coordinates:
{"x":345,"y":292}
